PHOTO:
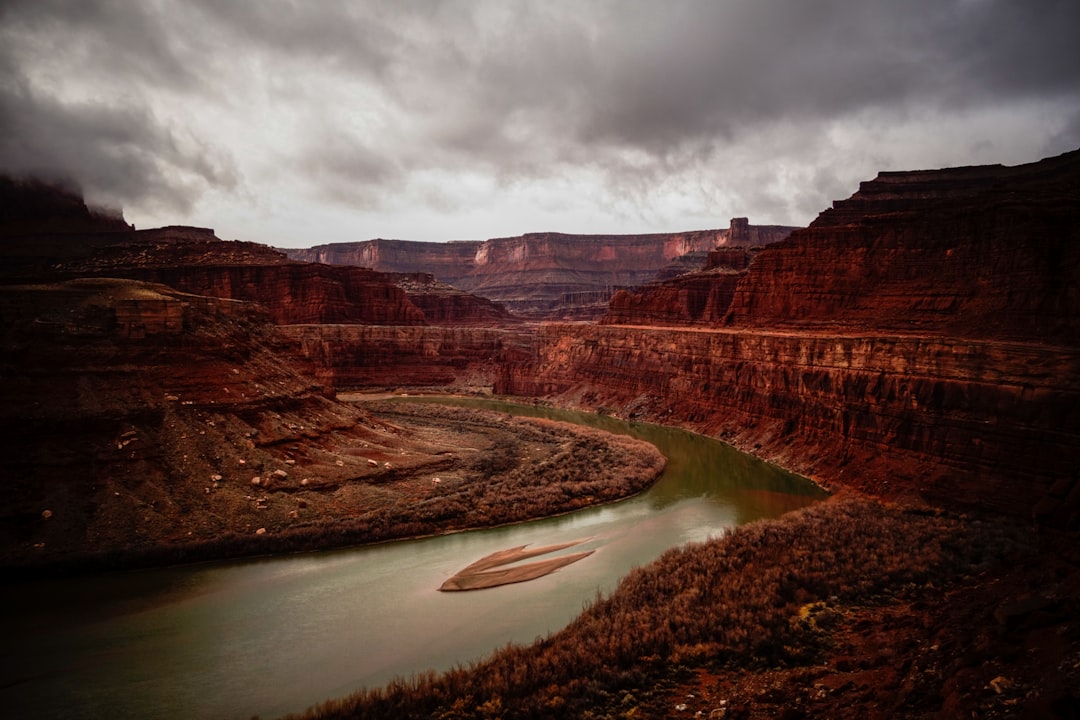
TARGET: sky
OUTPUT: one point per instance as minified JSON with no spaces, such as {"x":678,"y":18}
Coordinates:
{"x":298,"y":123}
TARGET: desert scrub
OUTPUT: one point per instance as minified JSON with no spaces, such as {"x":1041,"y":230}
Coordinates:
{"x":573,"y":467}
{"x":761,"y":596}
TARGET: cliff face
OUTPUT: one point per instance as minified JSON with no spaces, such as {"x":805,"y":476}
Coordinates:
{"x":194,"y":261}
{"x":920,"y":338}
{"x":367,"y":356}
{"x":449,"y":262}
{"x":700,"y":296}
{"x":443,"y":304}
{"x":543,"y":275}
{"x":978,"y":422}
{"x":991,"y":251}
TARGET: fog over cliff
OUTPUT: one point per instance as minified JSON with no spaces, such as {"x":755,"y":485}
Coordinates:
{"x":302,"y":123}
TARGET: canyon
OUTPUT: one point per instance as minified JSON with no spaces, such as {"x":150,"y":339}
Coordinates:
{"x":917,"y":346}
{"x":547,"y":275}
{"x":918,"y":339}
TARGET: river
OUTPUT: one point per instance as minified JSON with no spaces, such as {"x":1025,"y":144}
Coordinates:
{"x":275,"y":635}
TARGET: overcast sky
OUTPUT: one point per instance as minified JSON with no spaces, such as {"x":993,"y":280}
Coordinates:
{"x":299,"y":123}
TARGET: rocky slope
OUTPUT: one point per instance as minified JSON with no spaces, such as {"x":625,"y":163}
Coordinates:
{"x":699,"y":296}
{"x":343,"y":357}
{"x":444,"y":304}
{"x":194,"y":260}
{"x":135,"y":414}
{"x":543,"y":275}
{"x":142,"y":425}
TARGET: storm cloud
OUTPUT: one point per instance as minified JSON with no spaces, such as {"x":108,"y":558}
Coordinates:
{"x":296,"y":123}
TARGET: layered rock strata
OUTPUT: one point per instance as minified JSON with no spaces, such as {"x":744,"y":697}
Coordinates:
{"x":543,"y":275}
{"x":295,"y":292}
{"x":368,"y":356}
{"x":449,"y":262}
{"x":194,"y":260}
{"x":977,"y":422}
{"x":700,"y":296}
{"x":921,"y":338}
{"x":984,"y":251}
{"x":443,"y":304}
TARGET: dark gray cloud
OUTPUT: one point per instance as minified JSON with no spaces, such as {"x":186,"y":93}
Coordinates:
{"x":119,"y":154}
{"x":645,"y":112}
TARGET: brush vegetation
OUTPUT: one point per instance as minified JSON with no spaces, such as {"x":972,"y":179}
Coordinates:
{"x":762,"y":596}
{"x":526,"y":469}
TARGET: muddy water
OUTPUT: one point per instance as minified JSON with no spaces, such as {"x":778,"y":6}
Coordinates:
{"x":272,"y":636}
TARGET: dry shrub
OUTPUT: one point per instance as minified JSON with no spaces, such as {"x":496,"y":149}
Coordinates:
{"x":753,"y":599}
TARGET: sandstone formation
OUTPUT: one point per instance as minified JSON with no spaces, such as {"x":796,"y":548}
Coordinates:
{"x":698,"y":296}
{"x":921,"y":337}
{"x":142,"y":425}
{"x":979,"y":251}
{"x":342,"y":357}
{"x":919,"y":342}
{"x":531,"y":274}
{"x":544,"y":275}
{"x":444,"y":304}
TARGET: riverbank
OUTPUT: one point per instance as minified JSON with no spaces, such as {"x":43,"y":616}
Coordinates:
{"x":860,"y":607}
{"x":400,"y":471}
{"x":850,"y":608}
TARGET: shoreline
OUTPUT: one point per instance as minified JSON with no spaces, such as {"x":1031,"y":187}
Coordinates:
{"x":339,"y":534}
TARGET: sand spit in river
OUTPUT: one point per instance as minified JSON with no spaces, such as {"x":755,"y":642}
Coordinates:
{"x":479,"y":575}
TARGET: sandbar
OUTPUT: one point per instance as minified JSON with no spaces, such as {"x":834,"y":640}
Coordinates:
{"x":480,"y":574}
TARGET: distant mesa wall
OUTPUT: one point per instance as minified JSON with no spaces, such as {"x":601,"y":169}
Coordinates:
{"x":537,"y":274}
{"x":448,"y":262}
